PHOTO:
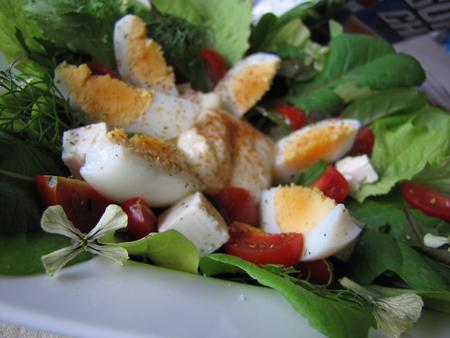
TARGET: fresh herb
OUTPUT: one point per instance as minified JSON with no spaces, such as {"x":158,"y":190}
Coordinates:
{"x":20,"y":161}
{"x":227,"y":21}
{"x":334,"y":313}
{"x":312,"y":174}
{"x":383,"y":103}
{"x":33,"y":109}
{"x":370,"y":64}
{"x":169,"y":249}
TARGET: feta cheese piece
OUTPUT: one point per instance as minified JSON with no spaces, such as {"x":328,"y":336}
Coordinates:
{"x":76,"y":143}
{"x":199,"y":221}
{"x":357,"y":170}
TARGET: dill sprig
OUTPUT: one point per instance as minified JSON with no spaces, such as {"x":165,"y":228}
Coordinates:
{"x":33,"y":109}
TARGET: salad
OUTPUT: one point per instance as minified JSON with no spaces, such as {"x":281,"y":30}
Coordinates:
{"x":184,"y":136}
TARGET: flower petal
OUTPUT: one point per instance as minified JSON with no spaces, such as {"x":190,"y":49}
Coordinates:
{"x":433,"y":241}
{"x":54,"y":220}
{"x":113,"y":218}
{"x":55,"y":261}
{"x":115,"y":253}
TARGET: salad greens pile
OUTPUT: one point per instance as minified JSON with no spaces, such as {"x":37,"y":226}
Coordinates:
{"x":354,"y":76}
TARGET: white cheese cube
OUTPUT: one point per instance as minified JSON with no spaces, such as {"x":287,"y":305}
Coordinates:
{"x":199,"y":221}
{"x":76,"y":143}
{"x":357,"y":170}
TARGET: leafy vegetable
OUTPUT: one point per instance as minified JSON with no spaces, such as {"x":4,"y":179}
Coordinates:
{"x":404,"y":146}
{"x":436,"y":177}
{"x":20,"y":254}
{"x":312,"y":174}
{"x":228,"y":21}
{"x":377,"y":253}
{"x":83,"y":25}
{"x":370,"y":64}
{"x":19,"y":163}
{"x":33,"y":109}
{"x":383,"y":103}
{"x":168,"y":249}
{"x":329,"y":313}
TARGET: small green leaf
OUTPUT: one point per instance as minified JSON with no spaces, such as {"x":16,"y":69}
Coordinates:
{"x":312,"y":174}
{"x":169,"y":249}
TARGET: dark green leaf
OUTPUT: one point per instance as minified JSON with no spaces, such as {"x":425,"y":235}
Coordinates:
{"x":333,"y":316}
{"x":20,"y":254}
{"x":312,"y":174}
{"x":383,"y":103}
{"x":378,"y":253}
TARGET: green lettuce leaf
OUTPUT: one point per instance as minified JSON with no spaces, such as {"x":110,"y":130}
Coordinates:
{"x":20,"y":254}
{"x":436,"y":177}
{"x":378,"y":253}
{"x":169,"y":249}
{"x":356,"y":61}
{"x":404,"y":145}
{"x":333,"y":316}
{"x":228,"y":21}
{"x":83,"y":26}
{"x":383,"y":103}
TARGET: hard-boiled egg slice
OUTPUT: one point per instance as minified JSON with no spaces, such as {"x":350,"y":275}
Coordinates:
{"x":198,"y":220}
{"x":327,"y":228}
{"x":139,"y":59}
{"x":226,"y":151}
{"x":327,"y":140}
{"x":76,"y":143}
{"x":247,"y":81}
{"x":120,"y":168}
{"x":121,"y":105}
{"x":208,"y":149}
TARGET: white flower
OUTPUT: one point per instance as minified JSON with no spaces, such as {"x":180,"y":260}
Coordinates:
{"x":394,"y":315}
{"x":433,"y":241}
{"x":54,"y":220}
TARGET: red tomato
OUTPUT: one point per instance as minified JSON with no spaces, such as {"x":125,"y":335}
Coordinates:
{"x":364,"y":142}
{"x":332,"y":184}
{"x":141,"y":219}
{"x":99,"y":69}
{"x":428,"y":201}
{"x":237,"y":205}
{"x":215,"y":62}
{"x":259,"y":247}
{"x":317,"y":272}
{"x":296,"y":118}
{"x":82,"y":204}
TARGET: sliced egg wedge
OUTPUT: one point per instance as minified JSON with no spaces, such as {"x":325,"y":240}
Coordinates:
{"x":226,"y":151}
{"x":139,"y":59}
{"x":247,"y":81}
{"x":327,"y":140}
{"x":327,"y":227}
{"x":121,"y":105}
{"x":120,"y":168}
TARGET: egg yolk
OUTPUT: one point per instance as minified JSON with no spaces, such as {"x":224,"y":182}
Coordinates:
{"x":146,"y":59}
{"x":251,"y":83}
{"x":299,"y":209}
{"x":102,"y":97}
{"x":319,"y":142}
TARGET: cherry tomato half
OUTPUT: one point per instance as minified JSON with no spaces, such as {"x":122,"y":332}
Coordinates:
{"x":237,"y":205}
{"x":141,"y":219}
{"x":215,"y":63}
{"x":99,"y":69}
{"x":296,"y":118}
{"x":428,"y":201}
{"x":256,"y":246}
{"x":316,"y":272}
{"x":364,"y":142}
{"x":332,"y":184}
{"x":82,"y":204}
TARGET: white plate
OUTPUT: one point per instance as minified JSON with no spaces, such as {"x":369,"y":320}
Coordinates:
{"x":101,"y":299}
